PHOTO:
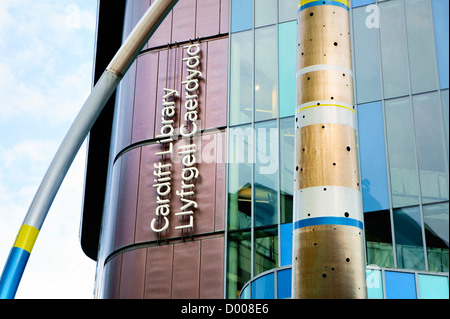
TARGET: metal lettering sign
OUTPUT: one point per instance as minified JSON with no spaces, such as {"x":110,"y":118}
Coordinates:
{"x":163,"y":169}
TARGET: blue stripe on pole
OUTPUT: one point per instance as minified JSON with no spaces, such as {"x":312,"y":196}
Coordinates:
{"x":344,"y":221}
{"x":321,"y":3}
{"x":12,"y":273}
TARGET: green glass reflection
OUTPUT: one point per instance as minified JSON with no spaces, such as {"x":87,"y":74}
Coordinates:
{"x":266,"y":80}
{"x":266,"y":174}
{"x":436,"y":221}
{"x":408,"y":238}
{"x":241,"y":85}
{"x":238,"y":262}
{"x":240,"y":163}
{"x":379,"y":248}
{"x":265,"y":250}
{"x":402,"y":158}
{"x":430,"y":148}
{"x":287,"y":137}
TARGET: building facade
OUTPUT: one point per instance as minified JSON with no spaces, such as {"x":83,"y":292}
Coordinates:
{"x":190,"y":171}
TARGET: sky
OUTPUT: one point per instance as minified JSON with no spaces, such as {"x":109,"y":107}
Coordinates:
{"x":46,"y":59}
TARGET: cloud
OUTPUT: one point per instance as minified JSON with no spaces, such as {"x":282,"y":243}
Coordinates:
{"x":46,"y":67}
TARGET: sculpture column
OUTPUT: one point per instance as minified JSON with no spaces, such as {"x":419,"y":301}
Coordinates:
{"x":328,"y":253}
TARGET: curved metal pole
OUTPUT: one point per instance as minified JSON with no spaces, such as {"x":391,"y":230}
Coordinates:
{"x":100,"y":94}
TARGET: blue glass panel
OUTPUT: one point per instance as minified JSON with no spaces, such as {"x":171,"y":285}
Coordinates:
{"x":445,"y":108}
{"x":433,"y":287}
{"x":241,"y":15}
{"x":286,"y":244}
{"x":400,"y":285}
{"x":441,"y":33}
{"x":373,"y":157}
{"x":245,"y":294}
{"x":287,"y":38}
{"x":408,"y":238}
{"x":374,"y":284}
{"x":284,"y":284}
{"x":263,"y":287}
{"x":359,"y":3}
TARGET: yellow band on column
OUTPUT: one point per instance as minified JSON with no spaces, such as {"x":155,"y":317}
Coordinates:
{"x":26,"y":237}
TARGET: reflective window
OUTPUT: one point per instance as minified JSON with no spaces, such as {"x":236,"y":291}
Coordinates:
{"x":238,"y":262}
{"x":241,"y":15}
{"x":265,"y":250}
{"x":400,"y":285}
{"x":367,"y":58}
{"x":433,"y":287}
{"x":287,"y":10}
{"x":266,"y":174}
{"x":358,"y":3}
{"x":422,"y":57}
{"x":266,"y":83}
{"x":408,"y":238}
{"x":286,"y":244}
{"x":402,"y":160}
{"x":441,"y":33}
{"x":436,"y":221}
{"x":265,"y":12}
{"x":374,"y":284}
{"x":393,"y":49}
{"x":379,"y":250}
{"x":445,"y":107}
{"x":373,"y":157}
{"x":430,"y":148}
{"x":287,"y":39}
{"x":241,"y":90}
{"x":240,"y":177}
{"x":284,"y":280}
{"x":264,"y":287}
{"x":287,"y":137}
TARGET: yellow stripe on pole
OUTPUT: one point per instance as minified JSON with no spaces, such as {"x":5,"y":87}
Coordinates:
{"x":337,"y":105}
{"x":26,"y":237}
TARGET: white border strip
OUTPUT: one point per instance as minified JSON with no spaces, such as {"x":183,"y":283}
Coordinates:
{"x":324,"y":67}
{"x":335,"y":201}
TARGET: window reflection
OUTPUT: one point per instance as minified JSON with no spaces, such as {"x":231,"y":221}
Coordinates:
{"x":393,"y":49}
{"x":402,"y":158}
{"x":422,"y":57}
{"x":436,"y":220}
{"x":240,"y":177}
{"x":238,"y":262}
{"x":265,"y":12}
{"x":367,"y":58}
{"x":408,"y":238}
{"x":266,"y":174}
{"x":241,"y":90}
{"x":287,"y":137}
{"x":266,"y":90}
{"x":379,"y":250}
{"x":266,"y":249}
{"x":430,"y":149}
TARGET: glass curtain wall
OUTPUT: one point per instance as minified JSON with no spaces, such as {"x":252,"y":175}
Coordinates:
{"x":261,"y":123}
{"x":400,"y":63}
{"x":400,"y":54}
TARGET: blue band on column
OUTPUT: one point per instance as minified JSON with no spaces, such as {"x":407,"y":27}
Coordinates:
{"x":344,"y":221}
